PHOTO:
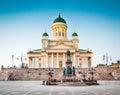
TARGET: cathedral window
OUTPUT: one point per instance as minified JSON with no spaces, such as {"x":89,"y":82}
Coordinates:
{"x":59,"y":33}
{"x":62,"y":34}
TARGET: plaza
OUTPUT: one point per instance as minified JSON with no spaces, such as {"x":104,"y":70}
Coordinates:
{"x":36,"y":88}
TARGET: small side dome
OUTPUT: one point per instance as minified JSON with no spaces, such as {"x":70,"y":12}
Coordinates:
{"x":74,"y":34}
{"x":45,"y":34}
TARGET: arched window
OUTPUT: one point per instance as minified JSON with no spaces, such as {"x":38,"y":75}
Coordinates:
{"x":62,"y":34}
{"x":59,"y":33}
{"x":55,"y":29}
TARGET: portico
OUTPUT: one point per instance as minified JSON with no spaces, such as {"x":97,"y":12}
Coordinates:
{"x":57,"y":59}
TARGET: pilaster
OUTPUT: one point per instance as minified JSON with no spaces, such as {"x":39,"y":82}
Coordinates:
{"x":47,"y":64}
{"x":57,"y":61}
{"x":52,"y":60}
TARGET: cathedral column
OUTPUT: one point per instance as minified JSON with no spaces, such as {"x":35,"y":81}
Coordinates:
{"x":33,"y":62}
{"x":63,"y":59}
{"x":42,"y":62}
{"x":30,"y":62}
{"x":52,"y":60}
{"x":43,"y":65}
{"x":78,"y":61}
{"x":47,"y":64}
{"x":89,"y":62}
{"x":74,"y":59}
{"x":57,"y":61}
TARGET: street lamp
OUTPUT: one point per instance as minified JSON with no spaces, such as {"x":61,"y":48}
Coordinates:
{"x":83,"y":74}
{"x":92,"y":72}
{"x":12,"y":60}
{"x":22,"y":58}
{"x":106,"y":58}
{"x":50,"y":74}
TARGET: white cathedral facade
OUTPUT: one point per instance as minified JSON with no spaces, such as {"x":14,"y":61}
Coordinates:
{"x":53,"y":52}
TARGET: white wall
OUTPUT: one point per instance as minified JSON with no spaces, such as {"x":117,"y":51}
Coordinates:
{"x":85,"y":62}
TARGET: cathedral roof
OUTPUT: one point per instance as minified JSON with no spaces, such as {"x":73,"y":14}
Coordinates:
{"x":37,"y":51}
{"x":59,"y":19}
{"x":45,"y":34}
{"x":74,"y":34}
{"x":85,"y":51}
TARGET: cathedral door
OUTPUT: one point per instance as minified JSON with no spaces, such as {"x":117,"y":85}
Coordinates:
{"x":60,"y":64}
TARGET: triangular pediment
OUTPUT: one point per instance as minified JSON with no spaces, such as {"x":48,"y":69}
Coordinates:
{"x":61,"y":46}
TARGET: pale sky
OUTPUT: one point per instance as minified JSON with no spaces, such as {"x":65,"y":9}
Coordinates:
{"x":22,"y":24}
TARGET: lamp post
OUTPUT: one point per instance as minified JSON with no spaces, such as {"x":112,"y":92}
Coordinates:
{"x":50,"y":74}
{"x":22,"y":58}
{"x":106,"y":59}
{"x":92,"y":72}
{"x":83,"y":74}
{"x":12,"y":60}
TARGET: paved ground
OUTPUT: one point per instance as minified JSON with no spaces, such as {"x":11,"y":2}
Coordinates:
{"x":35,"y":88}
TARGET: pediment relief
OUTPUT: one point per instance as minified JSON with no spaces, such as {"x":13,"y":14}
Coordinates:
{"x":60,"y":42}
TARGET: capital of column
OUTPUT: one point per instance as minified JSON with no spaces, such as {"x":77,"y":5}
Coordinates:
{"x":57,"y":61}
{"x":74,"y":59}
{"x":52,"y":60}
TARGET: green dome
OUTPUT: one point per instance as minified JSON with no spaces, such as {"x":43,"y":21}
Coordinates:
{"x":45,"y":34}
{"x":59,"y":19}
{"x":74,"y":34}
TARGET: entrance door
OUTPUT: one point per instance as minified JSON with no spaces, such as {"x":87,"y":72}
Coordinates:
{"x":60,"y":64}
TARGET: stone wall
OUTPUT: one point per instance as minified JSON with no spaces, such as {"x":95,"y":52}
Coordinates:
{"x":104,"y":73}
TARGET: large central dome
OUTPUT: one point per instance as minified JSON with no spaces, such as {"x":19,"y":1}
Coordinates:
{"x":59,"y":19}
{"x":59,"y":28}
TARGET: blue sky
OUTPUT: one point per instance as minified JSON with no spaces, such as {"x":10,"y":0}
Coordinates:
{"x":22,"y":23}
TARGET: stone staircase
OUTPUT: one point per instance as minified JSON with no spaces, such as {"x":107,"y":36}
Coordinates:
{"x":42,"y":73}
